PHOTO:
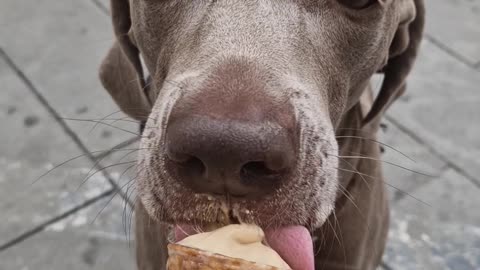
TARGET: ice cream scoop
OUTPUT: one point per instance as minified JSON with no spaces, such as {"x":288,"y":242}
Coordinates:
{"x":228,"y":248}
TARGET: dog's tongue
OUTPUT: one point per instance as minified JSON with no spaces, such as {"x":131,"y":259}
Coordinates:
{"x":294,"y":244}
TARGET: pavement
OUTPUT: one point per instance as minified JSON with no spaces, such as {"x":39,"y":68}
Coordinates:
{"x":70,"y":218}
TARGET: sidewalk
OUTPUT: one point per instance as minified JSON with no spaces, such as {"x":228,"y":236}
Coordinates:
{"x":49,"y":57}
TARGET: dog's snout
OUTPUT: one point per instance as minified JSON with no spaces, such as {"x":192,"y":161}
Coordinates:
{"x":223,"y":156}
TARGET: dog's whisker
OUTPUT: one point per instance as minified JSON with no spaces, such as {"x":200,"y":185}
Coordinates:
{"x":377,"y":142}
{"x":101,"y":159}
{"x":323,"y":240}
{"x":332,"y":244}
{"x":353,"y":167}
{"x":137,"y":109}
{"x":342,"y":244}
{"x":105,"y":206}
{"x":180,"y":84}
{"x":198,"y":228}
{"x":319,"y":245}
{"x":103,"y":123}
{"x":96,"y":124}
{"x":362,"y":130}
{"x":109,"y":153}
{"x":182,"y":230}
{"x":195,"y":227}
{"x":107,"y":203}
{"x":372,"y":140}
{"x":131,"y":184}
{"x":122,"y":119}
{"x":354,"y":129}
{"x":131,"y":209}
{"x":356,"y":172}
{"x":387,"y":162}
{"x":61,"y":164}
{"x":323,"y":243}
{"x":125,"y":171}
{"x":131,"y":152}
{"x":104,"y":168}
{"x":349,"y":196}
{"x":125,"y":208}
{"x":388,"y":184}
{"x":124,"y":221}
{"x":147,"y":85}
{"x":134,"y":80}
{"x":75,"y":158}
{"x":335,"y":235}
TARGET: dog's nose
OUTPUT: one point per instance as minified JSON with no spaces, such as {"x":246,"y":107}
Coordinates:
{"x":226,"y":156}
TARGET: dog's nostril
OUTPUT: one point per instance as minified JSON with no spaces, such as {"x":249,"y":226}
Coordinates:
{"x":278,"y":161}
{"x":177,"y":156}
{"x":257,"y":170}
{"x":193,"y":166}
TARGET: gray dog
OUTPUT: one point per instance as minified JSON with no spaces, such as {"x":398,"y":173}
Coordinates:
{"x":260,"y":111}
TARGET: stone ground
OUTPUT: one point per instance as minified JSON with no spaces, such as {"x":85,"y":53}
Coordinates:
{"x":49,"y":54}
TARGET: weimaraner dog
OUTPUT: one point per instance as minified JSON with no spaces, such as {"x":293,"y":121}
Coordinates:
{"x":261,"y":111}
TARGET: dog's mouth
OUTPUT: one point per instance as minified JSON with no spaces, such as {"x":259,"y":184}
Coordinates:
{"x":293,"y":243}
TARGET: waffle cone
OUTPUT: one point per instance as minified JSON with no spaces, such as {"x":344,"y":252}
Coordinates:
{"x":186,"y":258}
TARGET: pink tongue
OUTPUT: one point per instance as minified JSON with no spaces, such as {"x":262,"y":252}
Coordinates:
{"x":293,"y":244}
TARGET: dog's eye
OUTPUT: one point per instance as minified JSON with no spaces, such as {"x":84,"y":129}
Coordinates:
{"x":357,"y":4}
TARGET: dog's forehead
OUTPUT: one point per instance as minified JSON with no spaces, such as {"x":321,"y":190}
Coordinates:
{"x":283,"y":23}
{"x":302,"y":38}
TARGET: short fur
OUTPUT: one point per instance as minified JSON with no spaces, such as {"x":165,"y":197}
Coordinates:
{"x":317,"y":56}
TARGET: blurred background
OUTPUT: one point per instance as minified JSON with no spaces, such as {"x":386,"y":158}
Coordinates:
{"x":55,"y":117}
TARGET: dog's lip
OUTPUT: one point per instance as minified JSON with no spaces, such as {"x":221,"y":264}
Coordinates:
{"x":293,"y":243}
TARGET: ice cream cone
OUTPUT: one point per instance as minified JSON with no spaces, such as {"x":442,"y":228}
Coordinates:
{"x":186,"y":258}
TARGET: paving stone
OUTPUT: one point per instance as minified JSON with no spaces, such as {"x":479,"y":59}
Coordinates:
{"x":455,"y":24}
{"x":441,"y":107}
{"x":31,"y":143}
{"x":59,"y":45}
{"x":438,"y":75}
{"x":413,"y":162}
{"x":85,"y":240}
{"x":444,"y":235}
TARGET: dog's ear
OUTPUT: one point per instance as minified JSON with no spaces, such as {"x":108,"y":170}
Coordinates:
{"x":121,"y":71}
{"x":402,"y":54}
